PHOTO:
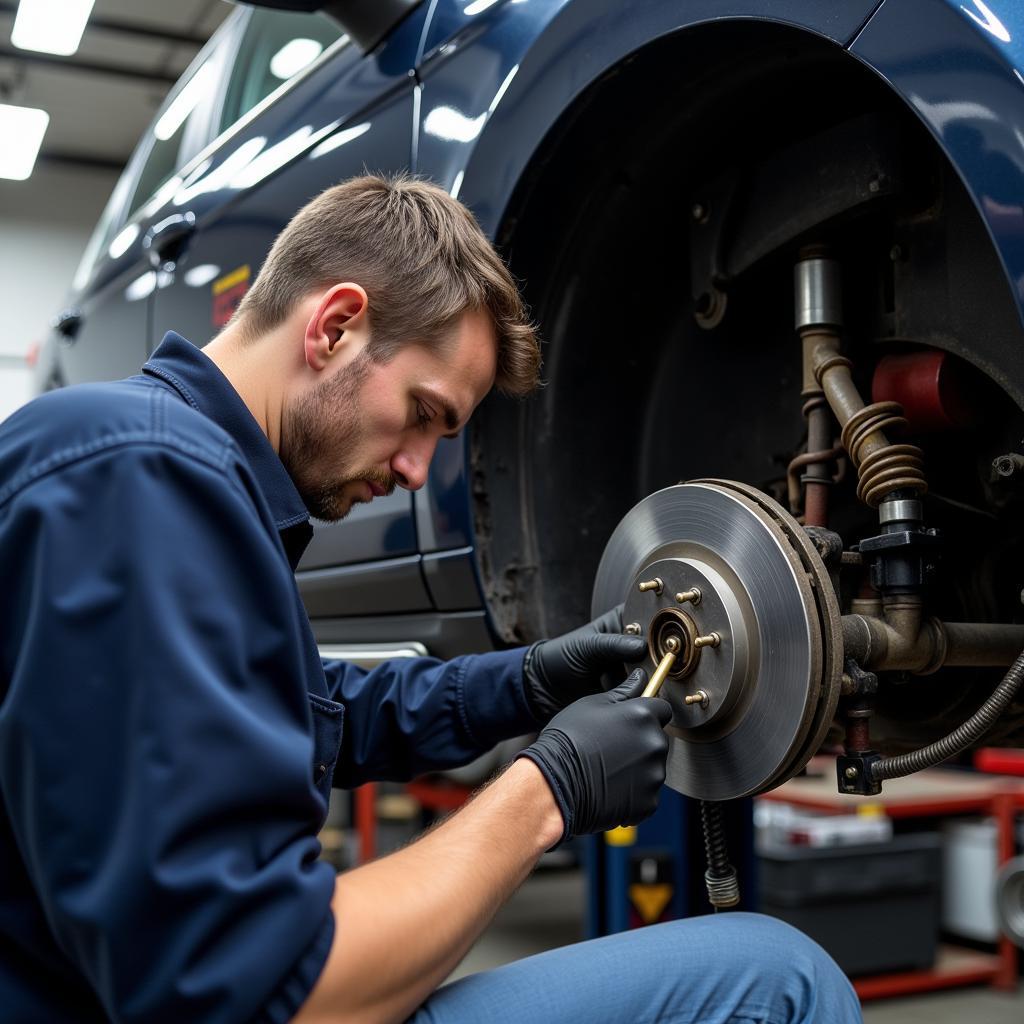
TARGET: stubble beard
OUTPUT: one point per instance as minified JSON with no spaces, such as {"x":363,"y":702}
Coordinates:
{"x":323,"y":423}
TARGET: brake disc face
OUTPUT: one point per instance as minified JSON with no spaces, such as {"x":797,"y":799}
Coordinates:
{"x":734,"y":579}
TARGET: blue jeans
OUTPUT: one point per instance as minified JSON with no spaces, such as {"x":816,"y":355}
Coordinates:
{"x":736,"y":967}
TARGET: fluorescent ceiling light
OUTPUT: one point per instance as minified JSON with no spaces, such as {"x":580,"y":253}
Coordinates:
{"x":22,"y":130}
{"x":183,"y":104}
{"x":293,"y":57}
{"x":52,"y":26}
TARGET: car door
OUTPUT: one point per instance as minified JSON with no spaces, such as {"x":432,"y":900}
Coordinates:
{"x":290,"y":130}
{"x":106,"y":334}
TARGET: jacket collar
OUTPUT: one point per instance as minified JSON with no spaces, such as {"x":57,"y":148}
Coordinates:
{"x":198,"y":380}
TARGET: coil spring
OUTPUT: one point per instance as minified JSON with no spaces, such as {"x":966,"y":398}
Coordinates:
{"x":896,"y":467}
{"x":720,"y":877}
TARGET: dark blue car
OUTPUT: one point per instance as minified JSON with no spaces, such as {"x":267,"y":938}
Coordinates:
{"x":652,"y":170}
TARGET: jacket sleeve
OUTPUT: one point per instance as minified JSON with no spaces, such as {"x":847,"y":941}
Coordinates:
{"x":155,"y":750}
{"x":413,"y":715}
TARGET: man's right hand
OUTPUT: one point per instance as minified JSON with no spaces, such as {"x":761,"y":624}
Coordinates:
{"x":604,"y":757}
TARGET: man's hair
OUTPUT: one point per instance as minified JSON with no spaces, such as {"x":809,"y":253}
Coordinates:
{"x":422,"y":259}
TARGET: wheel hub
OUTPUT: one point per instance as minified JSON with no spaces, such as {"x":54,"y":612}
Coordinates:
{"x":724,"y":570}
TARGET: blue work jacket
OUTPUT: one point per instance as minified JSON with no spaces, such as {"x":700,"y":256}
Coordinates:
{"x":168,"y":732}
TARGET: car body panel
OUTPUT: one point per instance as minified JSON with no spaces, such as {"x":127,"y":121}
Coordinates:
{"x":460,"y":22}
{"x":469,"y":94}
{"x":116,"y":276}
{"x":960,"y":67}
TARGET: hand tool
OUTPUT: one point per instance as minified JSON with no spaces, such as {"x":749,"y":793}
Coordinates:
{"x":663,"y":669}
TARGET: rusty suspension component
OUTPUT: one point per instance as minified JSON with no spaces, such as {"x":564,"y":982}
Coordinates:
{"x":815,"y":311}
{"x":883,"y":468}
{"x":902,"y":639}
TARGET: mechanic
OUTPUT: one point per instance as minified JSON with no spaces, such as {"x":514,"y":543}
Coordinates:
{"x":169,"y":735}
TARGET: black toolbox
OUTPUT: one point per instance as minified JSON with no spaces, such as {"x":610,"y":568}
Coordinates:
{"x":874,"y":907}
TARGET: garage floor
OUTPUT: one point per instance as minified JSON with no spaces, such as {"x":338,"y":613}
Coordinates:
{"x":548,"y":910}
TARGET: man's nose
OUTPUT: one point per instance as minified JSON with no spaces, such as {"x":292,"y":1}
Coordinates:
{"x":410,"y":466}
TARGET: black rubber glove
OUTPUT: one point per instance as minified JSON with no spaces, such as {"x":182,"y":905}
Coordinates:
{"x":604,"y":757}
{"x":557,"y":672}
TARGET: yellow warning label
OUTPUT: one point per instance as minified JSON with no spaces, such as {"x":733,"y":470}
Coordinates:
{"x":237,"y":276}
{"x":624,"y":835}
{"x":650,"y":900}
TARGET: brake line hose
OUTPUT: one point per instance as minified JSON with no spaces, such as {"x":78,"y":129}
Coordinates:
{"x":720,"y":878}
{"x":960,"y":739}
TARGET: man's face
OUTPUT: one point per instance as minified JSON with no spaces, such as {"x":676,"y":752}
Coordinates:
{"x":370,"y":426}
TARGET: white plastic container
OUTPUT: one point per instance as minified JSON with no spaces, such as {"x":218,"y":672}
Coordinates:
{"x":968,"y":879}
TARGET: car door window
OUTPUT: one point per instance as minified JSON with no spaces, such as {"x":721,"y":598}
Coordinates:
{"x":170,"y":130}
{"x":275,"y":48}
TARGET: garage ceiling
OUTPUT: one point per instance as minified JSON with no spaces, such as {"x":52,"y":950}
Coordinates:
{"x":101,"y":98}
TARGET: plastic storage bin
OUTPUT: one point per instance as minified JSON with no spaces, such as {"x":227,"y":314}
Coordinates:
{"x":874,"y":908}
{"x":969,"y":878}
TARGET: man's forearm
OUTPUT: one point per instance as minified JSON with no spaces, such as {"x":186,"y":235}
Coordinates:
{"x":405,"y":921}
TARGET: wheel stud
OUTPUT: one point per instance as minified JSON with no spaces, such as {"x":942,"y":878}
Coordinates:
{"x":711,"y":640}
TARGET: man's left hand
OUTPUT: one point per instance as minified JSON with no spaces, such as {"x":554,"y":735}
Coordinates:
{"x":558,"y":671}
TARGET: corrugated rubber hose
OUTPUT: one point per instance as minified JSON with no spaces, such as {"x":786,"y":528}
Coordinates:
{"x":960,"y":739}
{"x":720,"y":877}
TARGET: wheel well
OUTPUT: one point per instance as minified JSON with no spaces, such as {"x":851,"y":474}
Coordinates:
{"x":637,"y":395}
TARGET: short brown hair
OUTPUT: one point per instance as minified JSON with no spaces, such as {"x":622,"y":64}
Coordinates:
{"x":422,"y":258}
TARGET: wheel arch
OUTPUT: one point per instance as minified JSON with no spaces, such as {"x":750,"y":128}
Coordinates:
{"x":509,"y":188}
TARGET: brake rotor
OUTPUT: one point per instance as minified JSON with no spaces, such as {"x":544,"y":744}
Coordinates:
{"x":734,"y":579}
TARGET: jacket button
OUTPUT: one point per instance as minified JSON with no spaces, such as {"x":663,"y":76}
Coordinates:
{"x":320,"y":772}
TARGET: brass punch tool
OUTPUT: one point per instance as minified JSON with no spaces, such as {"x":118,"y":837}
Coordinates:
{"x":663,"y":669}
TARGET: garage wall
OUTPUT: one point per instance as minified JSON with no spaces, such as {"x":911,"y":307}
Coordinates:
{"x":45,"y":223}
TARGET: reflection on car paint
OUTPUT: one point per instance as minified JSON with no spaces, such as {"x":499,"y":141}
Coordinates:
{"x":203,"y":274}
{"x":144,"y":285}
{"x":277,"y":156}
{"x":339,"y":139}
{"x":294,"y":56}
{"x":184,"y":103}
{"x":123,"y":241}
{"x":987,"y":20}
{"x":451,"y":124}
{"x":196,"y":184}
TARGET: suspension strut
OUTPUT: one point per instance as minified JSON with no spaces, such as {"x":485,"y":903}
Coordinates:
{"x":890,"y":478}
{"x":884,"y":470}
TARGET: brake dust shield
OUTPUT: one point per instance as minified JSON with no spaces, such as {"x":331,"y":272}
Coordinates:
{"x":725,"y":564}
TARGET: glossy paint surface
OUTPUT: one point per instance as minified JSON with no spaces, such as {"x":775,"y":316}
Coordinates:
{"x":465,"y":92}
{"x":960,"y":66}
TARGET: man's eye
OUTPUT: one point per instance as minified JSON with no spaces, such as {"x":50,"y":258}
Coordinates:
{"x":423,"y":416}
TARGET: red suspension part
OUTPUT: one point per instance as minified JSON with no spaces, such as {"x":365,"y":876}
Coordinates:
{"x":929,"y":387}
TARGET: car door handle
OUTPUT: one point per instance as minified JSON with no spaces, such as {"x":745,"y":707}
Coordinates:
{"x":165,"y":241}
{"x":67,"y":324}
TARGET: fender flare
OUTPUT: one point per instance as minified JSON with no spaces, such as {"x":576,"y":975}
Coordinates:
{"x":960,"y":68}
{"x":515,"y":83}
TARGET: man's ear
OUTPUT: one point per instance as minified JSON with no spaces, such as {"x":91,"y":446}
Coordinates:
{"x":336,"y":330}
